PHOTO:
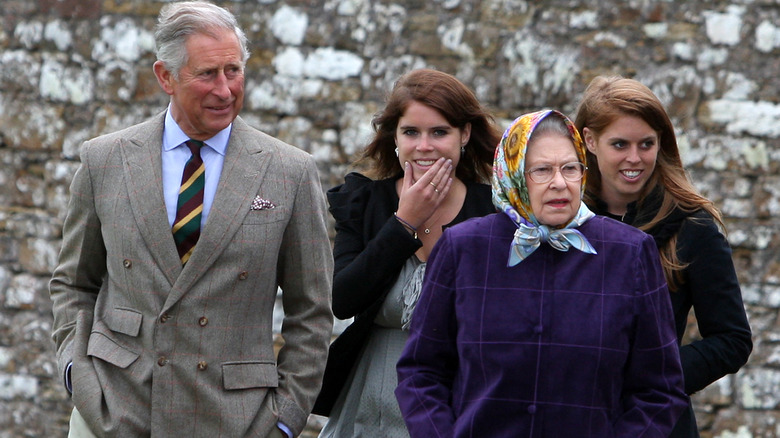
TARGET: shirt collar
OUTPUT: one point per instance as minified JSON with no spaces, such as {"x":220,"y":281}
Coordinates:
{"x":173,"y":136}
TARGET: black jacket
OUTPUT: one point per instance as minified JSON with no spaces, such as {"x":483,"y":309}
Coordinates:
{"x":709,"y":286}
{"x":370,"y":249}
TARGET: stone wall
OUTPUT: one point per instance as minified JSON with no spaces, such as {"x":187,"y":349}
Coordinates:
{"x":73,"y":69}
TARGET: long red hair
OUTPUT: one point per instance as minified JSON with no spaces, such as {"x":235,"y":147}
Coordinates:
{"x":455,"y":102}
{"x":604,"y":101}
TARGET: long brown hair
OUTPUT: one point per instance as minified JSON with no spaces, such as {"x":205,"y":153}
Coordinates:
{"x":605,"y":100}
{"x":455,"y":102}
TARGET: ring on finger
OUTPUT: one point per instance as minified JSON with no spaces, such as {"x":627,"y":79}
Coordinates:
{"x":434,"y":185}
{"x":436,"y":190}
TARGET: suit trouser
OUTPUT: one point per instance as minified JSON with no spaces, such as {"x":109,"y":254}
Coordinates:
{"x":79,"y":428}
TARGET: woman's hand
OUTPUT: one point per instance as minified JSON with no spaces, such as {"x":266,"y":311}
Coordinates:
{"x":418,"y":200}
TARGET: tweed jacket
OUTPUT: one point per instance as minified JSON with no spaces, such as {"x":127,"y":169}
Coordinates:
{"x":564,"y":344}
{"x":163,"y":350}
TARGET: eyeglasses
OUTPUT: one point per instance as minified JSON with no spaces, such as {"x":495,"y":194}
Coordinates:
{"x":570,"y":171}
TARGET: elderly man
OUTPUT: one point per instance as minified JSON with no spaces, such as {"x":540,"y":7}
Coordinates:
{"x":179,"y":232}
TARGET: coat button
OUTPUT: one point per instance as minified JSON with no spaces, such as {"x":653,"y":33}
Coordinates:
{"x":243,"y":275}
{"x":162,"y":361}
{"x":203,"y":321}
{"x":532,"y":409}
{"x":202,"y":365}
{"x":127,"y":263}
{"x":538,"y":329}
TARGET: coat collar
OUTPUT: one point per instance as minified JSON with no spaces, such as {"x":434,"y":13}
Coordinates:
{"x":640,"y":213}
{"x":142,"y":161}
{"x":246,"y":160}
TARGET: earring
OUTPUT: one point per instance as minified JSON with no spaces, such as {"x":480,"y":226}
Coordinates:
{"x":396,"y":152}
{"x":462,"y":150}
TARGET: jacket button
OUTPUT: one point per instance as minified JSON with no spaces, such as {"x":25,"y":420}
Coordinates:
{"x":202,"y":365}
{"x":162,"y":361}
{"x":203,"y":321}
{"x":532,"y":409}
{"x":538,"y":329}
{"x":165,"y":317}
{"x":243,"y":275}
{"x":127,"y":263}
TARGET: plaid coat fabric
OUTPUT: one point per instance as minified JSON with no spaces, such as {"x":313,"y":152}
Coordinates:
{"x":564,"y":344}
{"x":164,"y":350}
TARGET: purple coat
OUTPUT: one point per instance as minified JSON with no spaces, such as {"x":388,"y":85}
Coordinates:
{"x":564,"y":344}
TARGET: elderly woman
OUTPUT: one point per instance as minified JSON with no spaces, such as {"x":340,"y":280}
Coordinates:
{"x":542,"y":320}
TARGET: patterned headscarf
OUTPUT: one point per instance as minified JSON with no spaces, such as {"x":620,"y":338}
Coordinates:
{"x":510,"y":192}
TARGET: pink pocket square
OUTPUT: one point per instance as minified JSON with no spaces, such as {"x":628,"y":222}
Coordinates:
{"x":261,"y":204}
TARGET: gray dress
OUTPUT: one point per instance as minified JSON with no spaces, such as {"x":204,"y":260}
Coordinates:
{"x":368,"y":407}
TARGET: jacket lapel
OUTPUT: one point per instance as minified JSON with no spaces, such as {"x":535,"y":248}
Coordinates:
{"x":245,"y":163}
{"x":143,"y":167}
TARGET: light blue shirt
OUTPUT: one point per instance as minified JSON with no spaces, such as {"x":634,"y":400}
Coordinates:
{"x":175,"y":155}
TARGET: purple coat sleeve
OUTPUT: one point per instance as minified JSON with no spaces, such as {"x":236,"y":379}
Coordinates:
{"x":654,"y":396}
{"x":426,"y":369}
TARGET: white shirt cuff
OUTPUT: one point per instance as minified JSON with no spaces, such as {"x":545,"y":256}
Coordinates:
{"x":68,"y":383}
{"x":285,"y":429}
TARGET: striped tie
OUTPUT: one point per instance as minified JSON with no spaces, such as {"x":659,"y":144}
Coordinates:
{"x":186,"y":227}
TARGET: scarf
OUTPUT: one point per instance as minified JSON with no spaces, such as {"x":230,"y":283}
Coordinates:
{"x":510,"y":192}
